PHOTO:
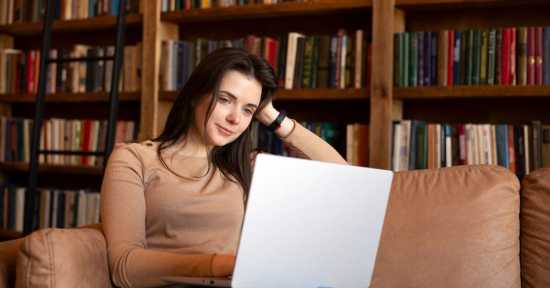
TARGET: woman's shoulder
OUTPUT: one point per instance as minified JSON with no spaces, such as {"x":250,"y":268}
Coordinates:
{"x":143,"y":151}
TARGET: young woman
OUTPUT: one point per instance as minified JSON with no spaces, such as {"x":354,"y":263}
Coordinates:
{"x":173,"y":206}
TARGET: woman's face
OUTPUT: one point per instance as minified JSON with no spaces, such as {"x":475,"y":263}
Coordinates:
{"x":238,"y":99}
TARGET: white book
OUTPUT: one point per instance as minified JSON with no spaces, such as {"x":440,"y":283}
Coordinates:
{"x":19,"y":208}
{"x":292,"y":45}
{"x":448,"y":148}
{"x":396,"y":146}
{"x":404,"y":150}
{"x":438,"y":145}
{"x":44,"y":210}
{"x":81,"y":210}
{"x":469,"y":144}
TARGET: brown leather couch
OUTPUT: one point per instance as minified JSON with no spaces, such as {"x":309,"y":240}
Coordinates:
{"x":451,"y":227}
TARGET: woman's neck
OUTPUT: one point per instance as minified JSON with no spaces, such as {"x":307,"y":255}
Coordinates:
{"x":192,"y":146}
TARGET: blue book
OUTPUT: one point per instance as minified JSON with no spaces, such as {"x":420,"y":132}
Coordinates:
{"x":433,"y":59}
{"x":412,"y":146}
{"x":546,"y":57}
{"x":456,"y":60}
{"x":502,"y":144}
{"x":115,"y":4}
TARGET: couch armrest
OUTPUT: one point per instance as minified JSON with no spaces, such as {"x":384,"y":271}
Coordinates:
{"x":8,"y":255}
{"x":535,"y":233}
{"x":64,"y":258}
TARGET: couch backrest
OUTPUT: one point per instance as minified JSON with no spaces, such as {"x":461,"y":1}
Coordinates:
{"x":451,"y":227}
{"x":535,"y":229}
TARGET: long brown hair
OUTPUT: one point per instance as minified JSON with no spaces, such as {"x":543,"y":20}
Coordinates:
{"x":232,"y":159}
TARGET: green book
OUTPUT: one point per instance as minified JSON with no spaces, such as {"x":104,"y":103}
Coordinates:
{"x":483,"y":57}
{"x":470,"y":59}
{"x":498,"y":56}
{"x":421,"y":145}
{"x":491,"y":57}
{"x":323,"y":63}
{"x":476,"y":58}
{"x":314,"y":62}
{"x":308,"y":58}
{"x":406,"y":52}
{"x":463,"y":59}
{"x":413,"y":59}
{"x":397,"y":59}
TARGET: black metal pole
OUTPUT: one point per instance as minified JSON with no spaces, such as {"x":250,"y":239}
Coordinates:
{"x":30,"y":196}
{"x":113,"y":97}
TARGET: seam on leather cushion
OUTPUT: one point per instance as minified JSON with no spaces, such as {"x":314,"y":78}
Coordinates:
{"x":51,"y":255}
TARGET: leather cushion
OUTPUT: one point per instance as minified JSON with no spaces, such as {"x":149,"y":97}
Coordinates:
{"x":451,"y":227}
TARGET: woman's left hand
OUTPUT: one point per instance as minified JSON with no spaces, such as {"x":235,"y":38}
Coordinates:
{"x":267,"y":114}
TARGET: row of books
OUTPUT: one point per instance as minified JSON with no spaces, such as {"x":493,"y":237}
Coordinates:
{"x":337,"y":61}
{"x":421,"y":145}
{"x":266,"y":141}
{"x":177,"y":5}
{"x":19,"y":70}
{"x":32,"y":11}
{"x":56,"y":208}
{"x":60,"y":134}
{"x":501,"y":56}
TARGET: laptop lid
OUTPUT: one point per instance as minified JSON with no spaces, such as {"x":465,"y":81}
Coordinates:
{"x":311,"y":224}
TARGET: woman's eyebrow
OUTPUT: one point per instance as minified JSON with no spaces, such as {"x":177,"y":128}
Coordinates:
{"x":235,"y":98}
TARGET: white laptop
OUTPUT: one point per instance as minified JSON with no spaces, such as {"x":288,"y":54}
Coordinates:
{"x":308,"y":224}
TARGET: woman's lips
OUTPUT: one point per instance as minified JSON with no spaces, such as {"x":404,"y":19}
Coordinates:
{"x":224,"y":131}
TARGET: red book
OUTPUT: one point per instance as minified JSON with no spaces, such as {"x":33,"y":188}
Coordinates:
{"x":531,"y":55}
{"x":539,"y":41}
{"x":511,"y":149}
{"x":512,"y":77}
{"x":505,"y":57}
{"x":450,"y":59}
{"x":30,"y":71}
{"x":86,"y":141}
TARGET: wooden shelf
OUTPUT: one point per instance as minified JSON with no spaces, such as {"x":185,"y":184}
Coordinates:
{"x":318,"y":94}
{"x":486,"y":4}
{"x":48,"y":168}
{"x":6,"y":234}
{"x":258,"y":11}
{"x":70,"y":97}
{"x":76,"y":25}
{"x":471,"y":92}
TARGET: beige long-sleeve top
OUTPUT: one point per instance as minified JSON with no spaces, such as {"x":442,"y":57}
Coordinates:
{"x":158,"y":224}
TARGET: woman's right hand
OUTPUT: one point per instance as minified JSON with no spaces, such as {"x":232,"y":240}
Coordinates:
{"x":222,"y":265}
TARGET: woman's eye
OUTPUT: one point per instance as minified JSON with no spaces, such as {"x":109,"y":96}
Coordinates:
{"x":223,"y":100}
{"x":248,"y":111}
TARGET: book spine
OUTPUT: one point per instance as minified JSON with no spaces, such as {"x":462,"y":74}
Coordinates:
{"x":546,"y":56}
{"x":538,"y":55}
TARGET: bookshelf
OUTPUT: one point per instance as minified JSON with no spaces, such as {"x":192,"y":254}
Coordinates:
{"x":514,"y":103}
{"x":378,"y":104}
{"x":261,"y":20}
{"x":93,"y":105}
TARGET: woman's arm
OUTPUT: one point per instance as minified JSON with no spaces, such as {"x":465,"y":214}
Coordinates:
{"x":300,"y":138}
{"x":123,"y":215}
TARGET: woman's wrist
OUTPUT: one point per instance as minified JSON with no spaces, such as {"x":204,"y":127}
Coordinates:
{"x":268,"y":115}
